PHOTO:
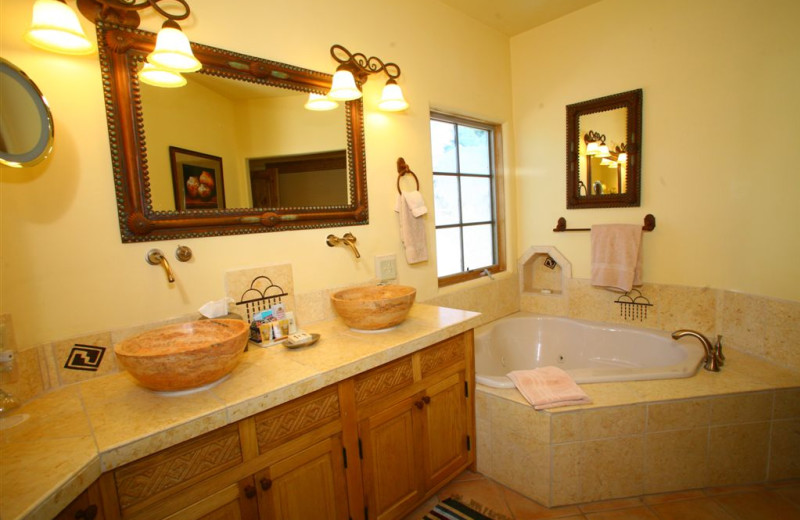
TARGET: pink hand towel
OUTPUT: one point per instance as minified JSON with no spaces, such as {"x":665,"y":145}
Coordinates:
{"x":548,"y":387}
{"x":617,"y":256}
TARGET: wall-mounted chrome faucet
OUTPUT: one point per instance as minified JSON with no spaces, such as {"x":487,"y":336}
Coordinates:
{"x":714,"y":357}
{"x":156,"y":257}
{"x":347,"y":239}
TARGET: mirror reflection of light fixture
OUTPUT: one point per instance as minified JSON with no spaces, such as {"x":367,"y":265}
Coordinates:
{"x":55,"y":27}
{"x":354,"y":69}
{"x":593,"y":140}
{"x":622,"y":153}
{"x":160,"y":77}
{"x":320,"y":102}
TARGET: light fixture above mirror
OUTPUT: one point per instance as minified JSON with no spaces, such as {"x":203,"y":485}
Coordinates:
{"x":352,"y":72}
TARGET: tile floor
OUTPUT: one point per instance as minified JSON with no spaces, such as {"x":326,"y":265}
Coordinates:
{"x":779,"y":501}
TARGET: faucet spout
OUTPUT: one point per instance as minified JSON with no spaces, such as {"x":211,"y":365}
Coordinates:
{"x":713,"y":359}
{"x":347,"y":239}
{"x":156,"y":257}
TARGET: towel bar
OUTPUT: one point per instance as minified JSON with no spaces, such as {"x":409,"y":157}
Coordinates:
{"x":649,"y":225}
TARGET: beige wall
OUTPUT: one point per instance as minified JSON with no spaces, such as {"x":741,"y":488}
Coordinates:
{"x":721,"y":155}
{"x":65,"y":271}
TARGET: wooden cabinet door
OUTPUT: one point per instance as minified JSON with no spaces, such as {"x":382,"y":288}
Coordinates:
{"x":236,"y":501}
{"x":309,"y":484}
{"x":391,"y":459}
{"x":445,"y":448}
{"x":88,"y":505}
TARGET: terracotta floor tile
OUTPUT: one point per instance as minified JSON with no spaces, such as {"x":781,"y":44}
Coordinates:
{"x":634,"y":513}
{"x":766,"y":505}
{"x":700,"y":509}
{"x":608,"y":505}
{"x":675,"y":496}
{"x":724,"y":490}
{"x":527,"y":509}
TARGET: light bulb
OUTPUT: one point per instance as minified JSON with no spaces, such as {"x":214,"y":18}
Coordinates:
{"x":343,"y":87}
{"x":392,"y":99}
{"x":173,"y":51}
{"x":55,"y":27}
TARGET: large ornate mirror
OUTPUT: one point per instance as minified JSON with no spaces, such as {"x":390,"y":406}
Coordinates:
{"x":604,"y":142}
{"x":233,"y":151}
{"x":26,"y":124}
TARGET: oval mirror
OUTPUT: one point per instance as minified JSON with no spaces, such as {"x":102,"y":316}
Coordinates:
{"x":26,"y":124}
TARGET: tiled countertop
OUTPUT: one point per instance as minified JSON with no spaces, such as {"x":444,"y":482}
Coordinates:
{"x":77,"y":432}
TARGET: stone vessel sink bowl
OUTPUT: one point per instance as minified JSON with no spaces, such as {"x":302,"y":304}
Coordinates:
{"x":374,"y":307}
{"x":184,"y":355}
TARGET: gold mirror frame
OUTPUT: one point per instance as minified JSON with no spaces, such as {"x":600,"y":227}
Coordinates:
{"x":632,"y":101}
{"x":122,"y":50}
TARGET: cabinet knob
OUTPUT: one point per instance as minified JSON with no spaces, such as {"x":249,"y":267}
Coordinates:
{"x":90,"y":513}
{"x":426,"y":399}
{"x":419,"y":404}
{"x":249,"y":491}
{"x":266,"y":483}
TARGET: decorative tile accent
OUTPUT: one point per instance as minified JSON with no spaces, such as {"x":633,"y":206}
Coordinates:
{"x":73,"y":358}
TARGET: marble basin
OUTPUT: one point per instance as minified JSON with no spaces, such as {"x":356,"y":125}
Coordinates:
{"x":184,"y":355}
{"x":374,"y":307}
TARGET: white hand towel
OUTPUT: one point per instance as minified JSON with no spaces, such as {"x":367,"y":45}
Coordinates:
{"x":412,"y":232}
{"x":415,"y":203}
{"x":617,"y":256}
{"x":548,"y":387}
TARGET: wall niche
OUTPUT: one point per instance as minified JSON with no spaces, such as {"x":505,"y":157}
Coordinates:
{"x":544,"y":270}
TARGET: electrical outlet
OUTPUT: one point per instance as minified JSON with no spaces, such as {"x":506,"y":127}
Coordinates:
{"x":386,"y":267}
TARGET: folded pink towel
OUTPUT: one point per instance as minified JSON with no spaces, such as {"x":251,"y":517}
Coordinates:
{"x":616,"y":256}
{"x":548,"y":387}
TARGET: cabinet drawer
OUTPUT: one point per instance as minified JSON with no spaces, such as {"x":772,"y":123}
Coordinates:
{"x":169,"y":471}
{"x":383,"y":380}
{"x":442,"y":355}
{"x":297,"y":417}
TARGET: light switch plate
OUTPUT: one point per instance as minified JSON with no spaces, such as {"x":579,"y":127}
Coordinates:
{"x":386,"y":267}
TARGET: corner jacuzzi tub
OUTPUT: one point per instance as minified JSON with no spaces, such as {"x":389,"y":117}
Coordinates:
{"x":589,"y":352}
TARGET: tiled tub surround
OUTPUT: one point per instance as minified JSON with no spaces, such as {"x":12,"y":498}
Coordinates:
{"x":79,"y":431}
{"x":738,"y":426}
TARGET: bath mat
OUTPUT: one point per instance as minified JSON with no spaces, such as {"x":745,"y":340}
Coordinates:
{"x":450,"y":509}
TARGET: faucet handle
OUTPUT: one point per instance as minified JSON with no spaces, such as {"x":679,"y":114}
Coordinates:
{"x":718,"y":350}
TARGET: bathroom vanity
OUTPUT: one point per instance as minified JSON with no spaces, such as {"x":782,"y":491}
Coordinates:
{"x":375,"y":427}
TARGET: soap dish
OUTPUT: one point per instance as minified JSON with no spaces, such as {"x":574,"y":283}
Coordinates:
{"x":303,"y":343}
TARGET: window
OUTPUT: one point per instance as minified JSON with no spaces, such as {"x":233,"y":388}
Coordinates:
{"x":467,"y":198}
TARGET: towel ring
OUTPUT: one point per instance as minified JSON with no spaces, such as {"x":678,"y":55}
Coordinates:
{"x":402,"y":169}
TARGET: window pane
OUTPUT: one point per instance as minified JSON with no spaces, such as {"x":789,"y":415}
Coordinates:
{"x":448,"y":251}
{"x":476,"y":199}
{"x":443,"y":147}
{"x":478,"y":247}
{"x":445,"y":200}
{"x":473,"y":149}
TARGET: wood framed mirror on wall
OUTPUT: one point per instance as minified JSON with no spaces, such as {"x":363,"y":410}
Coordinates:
{"x":604,"y":143}
{"x":235,"y":109}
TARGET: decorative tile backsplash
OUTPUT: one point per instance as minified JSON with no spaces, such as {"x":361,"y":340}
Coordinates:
{"x":764,"y":327}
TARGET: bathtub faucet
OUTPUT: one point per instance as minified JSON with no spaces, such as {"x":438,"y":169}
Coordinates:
{"x":714,"y":357}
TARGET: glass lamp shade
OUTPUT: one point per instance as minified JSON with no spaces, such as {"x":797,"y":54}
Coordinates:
{"x":173,"y":50}
{"x":320,"y":102}
{"x":158,"y":77}
{"x":343,"y":87}
{"x":55,"y":27}
{"x":623,"y":157}
{"x":592,"y":147}
{"x":392,"y":99}
{"x":602,"y":151}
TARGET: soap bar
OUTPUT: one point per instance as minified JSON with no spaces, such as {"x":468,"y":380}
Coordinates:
{"x":299,"y":337}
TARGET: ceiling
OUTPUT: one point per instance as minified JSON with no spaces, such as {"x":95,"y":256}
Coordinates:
{"x":512,"y":17}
